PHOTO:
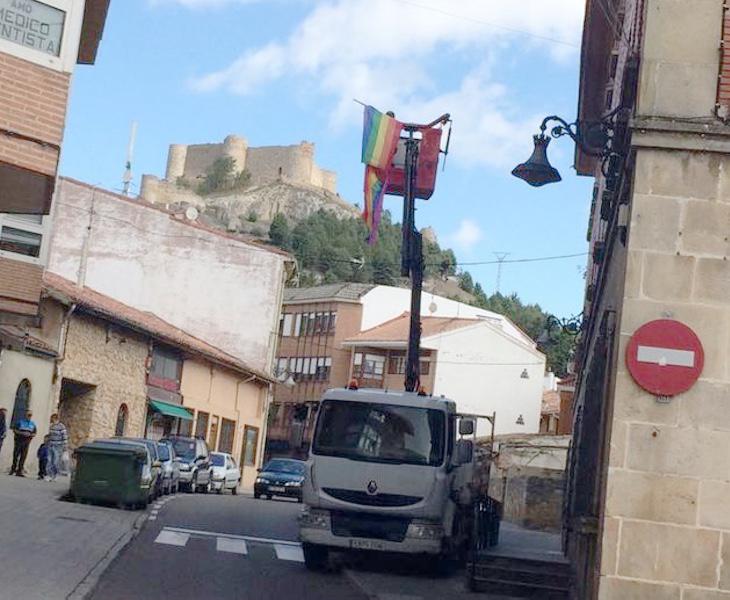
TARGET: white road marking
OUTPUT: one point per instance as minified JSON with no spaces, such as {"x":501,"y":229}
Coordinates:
{"x":152,"y":518}
{"x":172,"y":538}
{"x":665,"y":356}
{"x":286,"y":552}
{"x":247,"y":538}
{"x":229,"y":545}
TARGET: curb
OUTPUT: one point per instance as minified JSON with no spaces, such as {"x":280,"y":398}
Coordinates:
{"x":84,"y":588}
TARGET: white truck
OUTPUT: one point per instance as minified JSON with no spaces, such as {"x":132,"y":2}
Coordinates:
{"x":388,"y":472}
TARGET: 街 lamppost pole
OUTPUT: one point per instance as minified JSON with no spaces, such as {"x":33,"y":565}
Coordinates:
{"x":412,"y":248}
{"x":412,"y":260}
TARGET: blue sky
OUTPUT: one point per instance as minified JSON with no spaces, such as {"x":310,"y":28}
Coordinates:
{"x":282,"y":71}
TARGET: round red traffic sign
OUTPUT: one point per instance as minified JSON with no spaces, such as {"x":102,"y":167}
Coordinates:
{"x":665,"y":357}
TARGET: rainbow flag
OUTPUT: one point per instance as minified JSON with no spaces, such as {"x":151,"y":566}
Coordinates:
{"x":375,"y":183}
{"x":379,"y":138}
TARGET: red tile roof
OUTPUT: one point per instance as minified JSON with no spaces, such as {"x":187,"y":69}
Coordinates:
{"x":396,"y":330}
{"x":146,"y":322}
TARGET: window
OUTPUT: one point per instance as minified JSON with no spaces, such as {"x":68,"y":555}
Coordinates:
{"x":121,"y":425}
{"x":369,"y":366}
{"x":306,"y":368}
{"x":166,"y":369}
{"x":185,"y":427}
{"x":19,"y":241}
{"x":250,"y":442}
{"x":287,"y":324}
{"x":201,"y":424}
{"x":22,"y":402}
{"x":314,"y":323}
{"x":213,"y":433}
{"x":397,"y":364}
{"x":228,"y":430}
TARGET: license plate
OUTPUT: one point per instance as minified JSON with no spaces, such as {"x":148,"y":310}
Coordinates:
{"x":366,"y":544}
{"x":276,"y":489}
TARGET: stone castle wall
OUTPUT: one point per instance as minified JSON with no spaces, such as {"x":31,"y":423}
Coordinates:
{"x":294,"y":164}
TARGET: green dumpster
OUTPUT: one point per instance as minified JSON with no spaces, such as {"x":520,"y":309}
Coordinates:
{"x":112,"y":473}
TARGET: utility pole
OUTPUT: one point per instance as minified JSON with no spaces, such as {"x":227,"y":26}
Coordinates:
{"x":500,"y":259}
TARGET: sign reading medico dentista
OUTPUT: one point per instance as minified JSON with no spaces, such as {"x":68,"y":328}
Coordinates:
{"x":32,"y":24}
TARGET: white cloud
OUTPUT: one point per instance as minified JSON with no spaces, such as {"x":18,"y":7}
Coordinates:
{"x":380,"y":52}
{"x":467,"y":235}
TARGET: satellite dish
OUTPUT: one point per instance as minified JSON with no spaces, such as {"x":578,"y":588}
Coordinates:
{"x":433,"y":307}
{"x":191,"y":213}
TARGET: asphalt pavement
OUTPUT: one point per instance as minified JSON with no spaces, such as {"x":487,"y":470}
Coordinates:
{"x":223,"y":547}
{"x":235,"y":547}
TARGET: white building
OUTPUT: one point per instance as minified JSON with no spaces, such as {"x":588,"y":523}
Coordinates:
{"x":220,"y":288}
{"x":476,"y":362}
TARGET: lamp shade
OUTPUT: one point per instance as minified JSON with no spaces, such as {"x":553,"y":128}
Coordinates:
{"x":537,"y":170}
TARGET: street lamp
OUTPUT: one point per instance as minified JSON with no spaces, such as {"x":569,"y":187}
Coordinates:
{"x":593,"y":139}
{"x":571,"y":325}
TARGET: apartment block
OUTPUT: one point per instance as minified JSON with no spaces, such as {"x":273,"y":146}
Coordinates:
{"x":40,"y":45}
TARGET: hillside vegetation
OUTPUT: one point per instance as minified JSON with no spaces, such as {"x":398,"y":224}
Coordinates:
{"x":330,"y":250}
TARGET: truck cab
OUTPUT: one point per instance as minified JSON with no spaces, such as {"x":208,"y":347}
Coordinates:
{"x":386,"y":473}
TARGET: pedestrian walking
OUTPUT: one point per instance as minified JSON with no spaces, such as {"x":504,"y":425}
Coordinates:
{"x":24,"y":431}
{"x":58,"y":435}
{"x":3,"y":426}
{"x":43,"y":454}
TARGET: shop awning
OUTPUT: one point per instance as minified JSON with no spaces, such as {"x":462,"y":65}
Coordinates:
{"x":171,"y":410}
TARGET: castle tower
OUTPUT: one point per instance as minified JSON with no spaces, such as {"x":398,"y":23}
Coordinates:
{"x":176,"y":157}
{"x":236,"y":147}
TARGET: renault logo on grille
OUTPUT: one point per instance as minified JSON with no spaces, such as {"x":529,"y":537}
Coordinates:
{"x":372,"y":488}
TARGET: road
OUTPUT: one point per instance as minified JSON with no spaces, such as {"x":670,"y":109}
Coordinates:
{"x":234,"y":547}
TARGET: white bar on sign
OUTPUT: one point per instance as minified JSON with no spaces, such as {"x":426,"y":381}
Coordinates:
{"x":666,"y":356}
{"x":232,"y":546}
{"x":289,"y":553}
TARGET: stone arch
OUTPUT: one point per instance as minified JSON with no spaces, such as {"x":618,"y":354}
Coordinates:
{"x":122,"y":419}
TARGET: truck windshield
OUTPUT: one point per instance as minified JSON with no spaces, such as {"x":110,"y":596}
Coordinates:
{"x":380,"y":433}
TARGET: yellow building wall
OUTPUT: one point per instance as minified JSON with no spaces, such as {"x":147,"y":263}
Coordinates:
{"x":224,"y":394}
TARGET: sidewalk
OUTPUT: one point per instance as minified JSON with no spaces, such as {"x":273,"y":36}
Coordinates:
{"x":53,"y":550}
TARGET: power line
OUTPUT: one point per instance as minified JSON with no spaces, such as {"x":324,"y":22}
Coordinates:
{"x":489,"y":24}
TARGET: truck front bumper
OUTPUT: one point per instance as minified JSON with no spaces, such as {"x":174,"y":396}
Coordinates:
{"x":421,"y":538}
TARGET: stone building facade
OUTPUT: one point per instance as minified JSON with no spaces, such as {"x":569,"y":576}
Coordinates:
{"x":103,"y":368}
{"x":649,"y":477}
{"x":114,"y":364}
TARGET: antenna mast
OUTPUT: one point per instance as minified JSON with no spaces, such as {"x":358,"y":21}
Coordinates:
{"x":500,"y":259}
{"x":127,"y":177}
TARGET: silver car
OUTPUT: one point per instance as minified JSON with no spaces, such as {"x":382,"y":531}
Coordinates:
{"x":170,"y":468}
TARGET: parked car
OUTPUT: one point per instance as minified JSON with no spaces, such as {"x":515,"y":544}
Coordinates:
{"x":280,"y":477}
{"x":194,"y":459}
{"x":226,"y":475}
{"x":149,"y":483}
{"x":170,"y":468}
{"x":157,"y":474}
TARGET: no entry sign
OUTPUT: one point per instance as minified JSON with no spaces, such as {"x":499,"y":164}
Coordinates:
{"x":665,"y":357}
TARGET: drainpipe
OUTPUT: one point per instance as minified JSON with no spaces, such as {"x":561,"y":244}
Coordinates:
{"x":63,"y":337}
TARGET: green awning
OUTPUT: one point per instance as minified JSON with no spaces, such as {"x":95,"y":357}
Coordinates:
{"x":171,"y":410}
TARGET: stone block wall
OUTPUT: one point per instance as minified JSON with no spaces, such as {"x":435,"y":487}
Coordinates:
{"x":666,"y":530}
{"x":112,"y":362}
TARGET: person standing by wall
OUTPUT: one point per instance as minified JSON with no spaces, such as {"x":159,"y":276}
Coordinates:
{"x":3,"y":427}
{"x":58,"y":441}
{"x":24,"y":431}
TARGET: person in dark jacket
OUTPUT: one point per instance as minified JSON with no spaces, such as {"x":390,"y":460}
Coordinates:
{"x":3,"y":426}
{"x":43,"y":459}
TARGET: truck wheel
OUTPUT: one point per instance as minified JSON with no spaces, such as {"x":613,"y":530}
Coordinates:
{"x":315,"y":556}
